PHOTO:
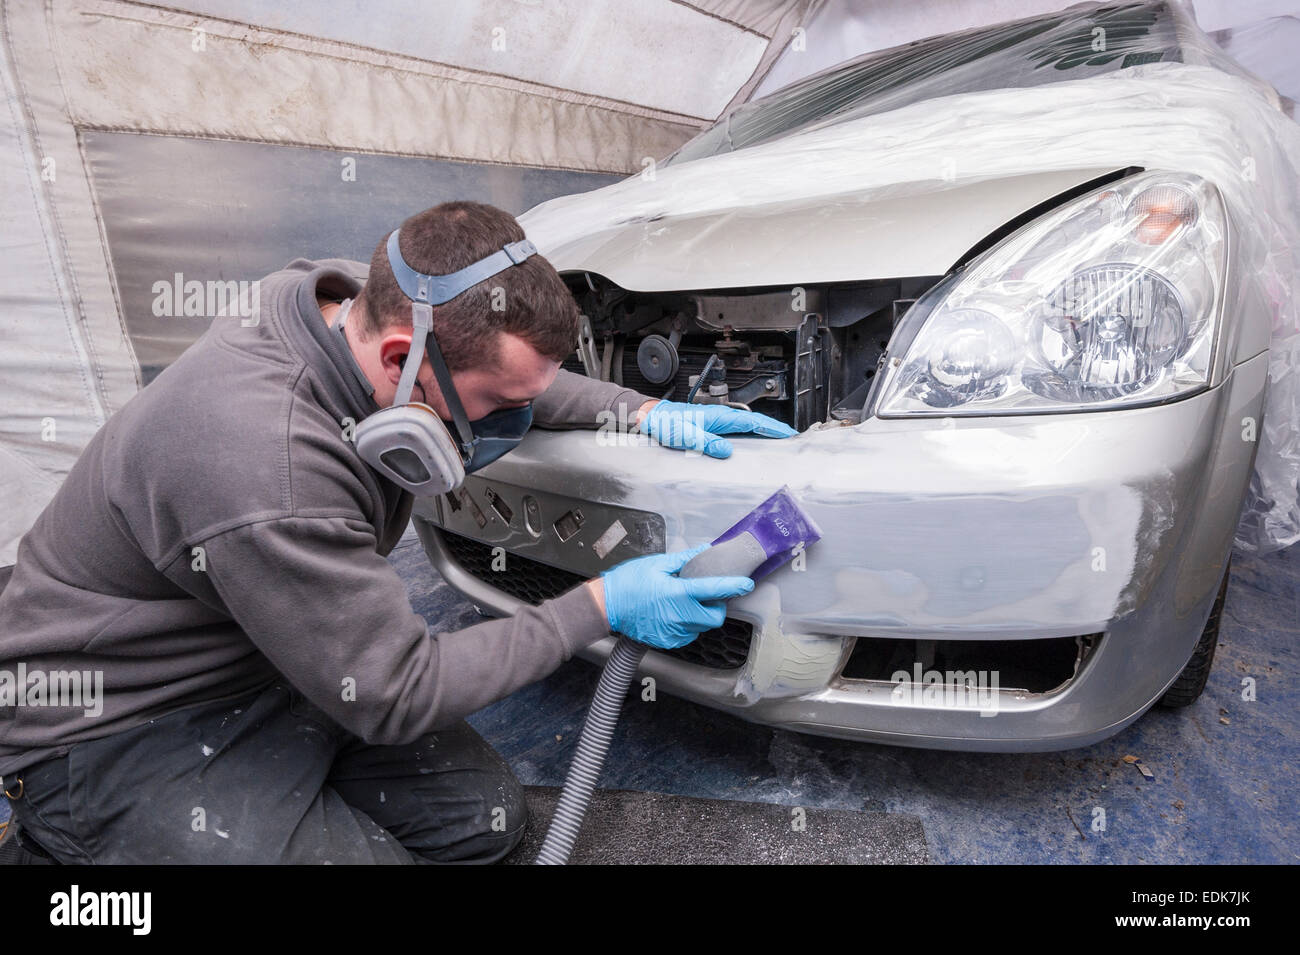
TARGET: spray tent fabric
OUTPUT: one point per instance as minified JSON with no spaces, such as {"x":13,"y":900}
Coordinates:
{"x":158,"y":157}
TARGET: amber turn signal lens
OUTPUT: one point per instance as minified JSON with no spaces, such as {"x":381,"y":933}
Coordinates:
{"x":1162,"y":211}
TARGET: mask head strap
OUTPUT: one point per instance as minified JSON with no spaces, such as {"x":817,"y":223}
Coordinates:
{"x":344,"y":310}
{"x":437,"y":289}
{"x":425,"y":291}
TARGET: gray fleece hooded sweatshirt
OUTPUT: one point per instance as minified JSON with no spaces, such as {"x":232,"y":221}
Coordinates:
{"x":219,"y":533}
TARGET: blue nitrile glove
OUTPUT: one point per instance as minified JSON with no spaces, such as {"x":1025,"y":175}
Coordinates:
{"x":647,"y":601}
{"x":676,"y":424}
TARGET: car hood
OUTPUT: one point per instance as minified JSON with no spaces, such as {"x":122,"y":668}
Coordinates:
{"x":848,"y":238}
{"x":907,"y":191}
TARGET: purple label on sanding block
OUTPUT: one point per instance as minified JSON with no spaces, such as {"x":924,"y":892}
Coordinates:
{"x":780,"y":525}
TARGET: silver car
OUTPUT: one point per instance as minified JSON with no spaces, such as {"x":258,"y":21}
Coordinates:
{"x":1028,"y":407}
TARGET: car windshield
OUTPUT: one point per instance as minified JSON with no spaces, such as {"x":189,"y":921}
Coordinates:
{"x":1032,"y":52}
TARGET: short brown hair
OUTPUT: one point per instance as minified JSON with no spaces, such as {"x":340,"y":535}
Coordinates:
{"x":537,"y":304}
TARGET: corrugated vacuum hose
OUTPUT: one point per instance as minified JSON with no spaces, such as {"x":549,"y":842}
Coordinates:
{"x":593,"y":744}
{"x":765,"y":539}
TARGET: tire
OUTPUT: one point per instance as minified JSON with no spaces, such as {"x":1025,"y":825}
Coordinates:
{"x":1191,"y":681}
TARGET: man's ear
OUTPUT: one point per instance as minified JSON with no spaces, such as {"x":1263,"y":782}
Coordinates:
{"x":393,"y":348}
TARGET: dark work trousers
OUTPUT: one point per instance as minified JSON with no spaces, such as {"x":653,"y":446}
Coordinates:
{"x":269,"y":778}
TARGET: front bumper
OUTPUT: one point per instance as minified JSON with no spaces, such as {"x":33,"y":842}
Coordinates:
{"x":1010,"y":529}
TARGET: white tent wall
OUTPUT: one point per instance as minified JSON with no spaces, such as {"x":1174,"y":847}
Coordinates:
{"x":140,"y":141}
{"x":65,"y":361}
{"x":685,"y":58}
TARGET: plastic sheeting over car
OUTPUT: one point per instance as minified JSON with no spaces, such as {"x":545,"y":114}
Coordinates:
{"x":1095,"y":86}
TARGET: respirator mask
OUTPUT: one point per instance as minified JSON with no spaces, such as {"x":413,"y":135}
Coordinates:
{"x":409,"y":443}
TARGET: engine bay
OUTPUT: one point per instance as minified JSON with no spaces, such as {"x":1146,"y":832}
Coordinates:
{"x":805,"y":355}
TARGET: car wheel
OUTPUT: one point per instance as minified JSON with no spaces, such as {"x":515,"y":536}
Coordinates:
{"x":1192,"y":680}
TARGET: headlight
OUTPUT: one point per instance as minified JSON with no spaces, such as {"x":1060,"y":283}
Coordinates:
{"x":1107,"y":301}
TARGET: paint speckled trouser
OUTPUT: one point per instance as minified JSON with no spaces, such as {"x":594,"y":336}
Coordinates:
{"x":269,"y":778}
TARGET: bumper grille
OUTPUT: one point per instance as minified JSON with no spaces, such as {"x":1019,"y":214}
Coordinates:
{"x":1034,"y":666}
{"x":724,"y":648}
